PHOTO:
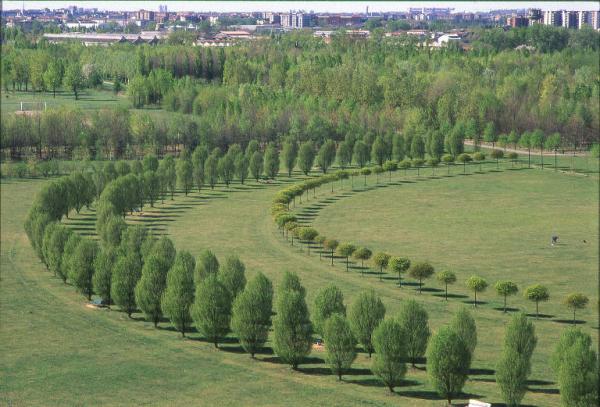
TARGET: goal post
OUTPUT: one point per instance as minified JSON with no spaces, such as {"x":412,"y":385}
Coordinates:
{"x":33,"y":106}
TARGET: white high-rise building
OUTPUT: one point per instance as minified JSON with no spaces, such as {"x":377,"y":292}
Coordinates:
{"x":595,"y":19}
{"x":569,"y":19}
{"x":553,"y":18}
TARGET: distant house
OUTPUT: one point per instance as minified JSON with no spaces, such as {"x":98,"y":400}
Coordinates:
{"x":89,"y":39}
{"x":233,"y":35}
{"x":447,"y":38}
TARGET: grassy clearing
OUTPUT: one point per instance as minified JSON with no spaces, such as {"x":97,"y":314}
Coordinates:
{"x":56,"y":349}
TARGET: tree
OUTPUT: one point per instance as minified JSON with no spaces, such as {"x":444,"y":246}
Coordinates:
{"x":497,"y":155}
{"x":251,"y":316}
{"x":479,"y":157}
{"x":58,"y":239}
{"x":340,"y":344}
{"x":199,"y":157}
{"x":390,"y":166}
{"x":292,"y":339}
{"x":365,"y":315}
{"x":151,"y":186}
{"x":379,"y":151}
{"x":366,"y":172}
{"x":489,"y":134}
{"x":361,"y":153}
{"x":211,"y":170}
{"x":389,"y":340}
{"x":289,"y":154}
{"x":329,"y":301}
{"x":506,"y":288}
{"x":515,"y":363}
{"x":74,"y":78}
{"x":242,"y":165}
{"x":232,"y":275}
{"x":553,"y":143}
{"x":421,"y":271}
{"x":537,"y":293}
{"x":103,"y":270}
{"x":308,"y":234}
{"x":346,"y":250}
{"x":576,"y":301}
{"x":256,"y":165}
{"x":185,"y":175}
{"x":226,"y":168}
{"x":150,"y":163}
{"x":448,"y":159}
{"x":66,"y":262}
{"x":271,"y":161}
{"x":536,"y":139}
{"x":578,"y":376}
{"x":150,"y":288}
{"x":567,"y":339}
{"x":446,"y":277}
{"x":326,"y":155}
{"x":362,"y":254}
{"x":448,"y":361}
{"x":477,"y":285}
{"x":53,"y":76}
{"x":344,"y":154}
{"x":399,"y":265}
{"x":82,"y":268}
{"x":306,"y":157}
{"x":178,"y":296}
{"x":417,"y":148}
{"x":212,"y":309}
{"x":126,"y":273}
{"x":414,"y":321}
{"x":464,"y":158}
{"x":464,"y":325}
{"x":207,"y":265}
{"x":291,"y":281}
{"x":381,"y":260}
{"x":526,"y":141}
{"x":170,"y":173}
{"x":331,"y":244}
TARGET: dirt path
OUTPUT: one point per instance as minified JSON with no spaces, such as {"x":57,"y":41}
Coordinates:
{"x":533,"y":151}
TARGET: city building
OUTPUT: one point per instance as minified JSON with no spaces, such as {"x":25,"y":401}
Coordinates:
{"x":553,"y":18}
{"x":569,"y":19}
{"x":517,"y":21}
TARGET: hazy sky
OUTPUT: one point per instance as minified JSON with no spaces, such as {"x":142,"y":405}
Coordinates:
{"x":318,"y":6}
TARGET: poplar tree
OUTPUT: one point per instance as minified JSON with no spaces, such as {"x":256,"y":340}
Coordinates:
{"x":289,"y":153}
{"x":414,"y":320}
{"x":150,"y":288}
{"x":103,"y":271}
{"x":306,"y":157}
{"x":231,"y":275}
{"x":212,"y":309}
{"x":340,"y":344}
{"x":464,"y":325}
{"x":328,"y":301}
{"x":365,"y":315}
{"x":126,"y":273}
{"x":271,"y":161}
{"x":292,"y":339}
{"x":389,"y":340}
{"x":251,"y":314}
{"x":178,"y":295}
{"x":82,"y":267}
{"x":207,"y":264}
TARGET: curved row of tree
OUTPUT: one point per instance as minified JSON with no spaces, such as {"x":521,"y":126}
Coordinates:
{"x":290,"y":227}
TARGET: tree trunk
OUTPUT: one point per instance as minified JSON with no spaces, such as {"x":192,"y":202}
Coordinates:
{"x":332,"y":257}
{"x":573,"y":316}
{"x":505,"y":304}
{"x":420,"y":285}
{"x":537,"y":310}
{"x":446,"y":292}
{"x":475,"y":299}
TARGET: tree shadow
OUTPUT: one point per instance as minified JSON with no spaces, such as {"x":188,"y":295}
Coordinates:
{"x":536,"y":382}
{"x":543,"y":391}
{"x":431,"y":290}
{"x":367,"y":382}
{"x":450,"y":295}
{"x":421,"y":394}
{"x":508,"y":309}
{"x":541,"y":316}
{"x":569,"y":321}
{"x":482,"y":372}
{"x":472,"y":302}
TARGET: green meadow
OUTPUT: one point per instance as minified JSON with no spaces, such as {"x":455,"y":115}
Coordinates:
{"x":495,"y":224}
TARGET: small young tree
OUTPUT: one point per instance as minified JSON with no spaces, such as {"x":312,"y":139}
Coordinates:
{"x":381,"y":260}
{"x":506,"y":288}
{"x":389,"y":340}
{"x":576,"y":301}
{"x":497,"y":155}
{"x":211,"y":311}
{"x":366,"y":172}
{"x":421,"y":271}
{"x":448,"y":361}
{"x":464,"y":158}
{"x":207,"y":264}
{"x":464,"y":325}
{"x":446,"y":277}
{"x":346,"y":250}
{"x":308,"y":235}
{"x":178,"y":295}
{"x":399,"y":265}
{"x":82,"y":269}
{"x":415,"y":322}
{"x":126,"y":273}
{"x":331,"y":245}
{"x":340,"y":344}
{"x":477,"y":285}
{"x":251,"y":317}
{"x":362,"y":254}
{"x":480,"y":158}
{"x":537,"y":293}
{"x":365,"y":315}
{"x":329,"y":301}
{"x":448,"y":160}
{"x":390,"y":166}
{"x":232,"y":275}
{"x":292,"y":339}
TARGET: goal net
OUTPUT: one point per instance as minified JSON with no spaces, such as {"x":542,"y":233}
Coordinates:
{"x":32,"y":106}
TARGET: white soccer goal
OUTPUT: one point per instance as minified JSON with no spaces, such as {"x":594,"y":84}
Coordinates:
{"x":33,"y":106}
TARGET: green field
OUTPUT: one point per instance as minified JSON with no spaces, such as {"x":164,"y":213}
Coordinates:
{"x":496,"y":224}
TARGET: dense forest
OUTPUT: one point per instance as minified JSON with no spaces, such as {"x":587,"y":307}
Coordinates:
{"x":299,"y":86}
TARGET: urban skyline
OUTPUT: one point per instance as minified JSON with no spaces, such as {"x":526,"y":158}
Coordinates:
{"x":317,"y":6}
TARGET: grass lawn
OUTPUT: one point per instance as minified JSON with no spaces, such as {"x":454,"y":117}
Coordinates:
{"x":56,"y":351}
